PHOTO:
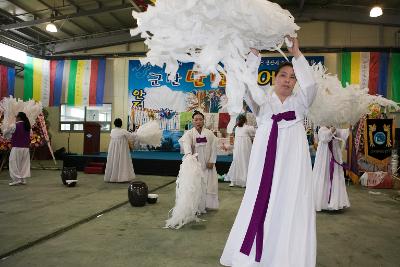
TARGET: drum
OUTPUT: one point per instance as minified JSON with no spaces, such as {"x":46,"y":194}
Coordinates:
{"x":137,"y":193}
{"x":69,"y":176}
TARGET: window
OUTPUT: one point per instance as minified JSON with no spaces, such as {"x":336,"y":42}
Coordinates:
{"x":72,"y":118}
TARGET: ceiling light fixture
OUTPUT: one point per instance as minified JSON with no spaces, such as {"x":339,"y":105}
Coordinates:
{"x":51,"y":27}
{"x":376,"y":11}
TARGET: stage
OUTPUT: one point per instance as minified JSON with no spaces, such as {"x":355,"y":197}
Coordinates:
{"x":145,"y":162}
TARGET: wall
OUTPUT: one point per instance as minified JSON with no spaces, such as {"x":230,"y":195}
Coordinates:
{"x":116,"y":92}
{"x":312,"y":34}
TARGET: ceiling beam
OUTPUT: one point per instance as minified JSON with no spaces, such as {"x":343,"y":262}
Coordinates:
{"x":72,"y":22}
{"x":349,"y":15}
{"x":37,"y":32}
{"x":123,"y":24}
{"x":14,"y":41}
{"x":35,"y":15}
{"x":31,"y":23}
{"x":91,"y":43}
{"x":78,"y":8}
{"x":52,"y":8}
{"x":301,"y":4}
{"x":136,"y":7}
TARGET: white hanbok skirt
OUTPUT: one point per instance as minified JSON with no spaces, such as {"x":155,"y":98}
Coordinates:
{"x":237,"y":173}
{"x":289,"y":227}
{"x":19,"y":163}
{"x":119,"y":166}
{"x":322,"y":184}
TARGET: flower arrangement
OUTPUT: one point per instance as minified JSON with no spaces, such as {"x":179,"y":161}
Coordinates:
{"x":39,"y":134}
{"x":374,"y":111}
{"x":5,"y":144}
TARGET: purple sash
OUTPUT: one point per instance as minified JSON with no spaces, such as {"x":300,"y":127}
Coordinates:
{"x":332,"y":168}
{"x":256,"y":225}
{"x":201,"y":140}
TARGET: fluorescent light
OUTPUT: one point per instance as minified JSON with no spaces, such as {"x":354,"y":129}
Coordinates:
{"x":12,"y":53}
{"x":376,"y":11}
{"x":51,"y":27}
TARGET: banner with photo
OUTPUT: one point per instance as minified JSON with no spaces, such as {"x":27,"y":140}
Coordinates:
{"x":151,"y":94}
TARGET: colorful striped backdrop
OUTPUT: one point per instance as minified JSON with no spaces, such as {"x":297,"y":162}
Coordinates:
{"x":7,"y":81}
{"x":377,"y":71}
{"x":75,"y":82}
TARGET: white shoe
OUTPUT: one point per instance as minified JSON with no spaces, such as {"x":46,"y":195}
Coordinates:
{"x":22,"y":181}
{"x":13,"y":183}
{"x":231,"y":184}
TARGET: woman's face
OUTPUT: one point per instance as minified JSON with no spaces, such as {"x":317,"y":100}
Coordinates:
{"x":17,"y":118}
{"x":198,"y":121}
{"x":285,"y":81}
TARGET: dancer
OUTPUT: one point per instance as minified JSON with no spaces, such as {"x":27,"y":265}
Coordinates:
{"x":275,"y":224}
{"x":237,"y":173}
{"x":203,"y":142}
{"x":119,"y":166}
{"x":19,"y":162}
{"x":328,"y":176}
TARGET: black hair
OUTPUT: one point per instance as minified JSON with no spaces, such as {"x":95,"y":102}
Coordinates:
{"x":283,"y":64}
{"x":196,"y":112}
{"x":24,"y":118}
{"x":118,"y":122}
{"x":241,"y":120}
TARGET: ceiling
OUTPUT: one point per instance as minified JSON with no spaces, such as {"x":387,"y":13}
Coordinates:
{"x":88,"y":24}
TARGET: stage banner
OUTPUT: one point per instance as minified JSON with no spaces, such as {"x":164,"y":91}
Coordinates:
{"x":152,"y":95}
{"x":378,"y":140}
{"x":150,"y":88}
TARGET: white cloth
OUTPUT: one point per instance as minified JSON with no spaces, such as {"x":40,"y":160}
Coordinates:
{"x":19,"y":163}
{"x":321,"y":177}
{"x":188,"y":193}
{"x":289,"y":227}
{"x":237,"y":173}
{"x":207,"y":153}
{"x":119,"y":166}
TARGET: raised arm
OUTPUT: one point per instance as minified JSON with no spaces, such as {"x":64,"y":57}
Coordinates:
{"x":252,"y":64}
{"x":308,"y":88}
{"x":325,"y":135}
{"x":342,"y":134}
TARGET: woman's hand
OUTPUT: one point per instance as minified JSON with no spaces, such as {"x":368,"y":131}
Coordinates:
{"x":210,"y":165}
{"x":254,"y":51}
{"x":294,"y":49}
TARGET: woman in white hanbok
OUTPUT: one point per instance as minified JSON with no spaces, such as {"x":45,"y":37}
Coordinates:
{"x":237,"y":173}
{"x":328,"y":176}
{"x":275,"y":224}
{"x":203,"y":142}
{"x":119,"y":166}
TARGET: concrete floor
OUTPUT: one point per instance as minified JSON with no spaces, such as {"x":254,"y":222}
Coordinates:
{"x":51,"y":225}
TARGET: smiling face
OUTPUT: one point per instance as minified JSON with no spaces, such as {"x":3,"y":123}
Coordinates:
{"x":198,"y":121}
{"x":285,"y":81}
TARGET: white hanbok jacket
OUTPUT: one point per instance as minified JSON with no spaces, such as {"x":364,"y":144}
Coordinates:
{"x":119,"y":166}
